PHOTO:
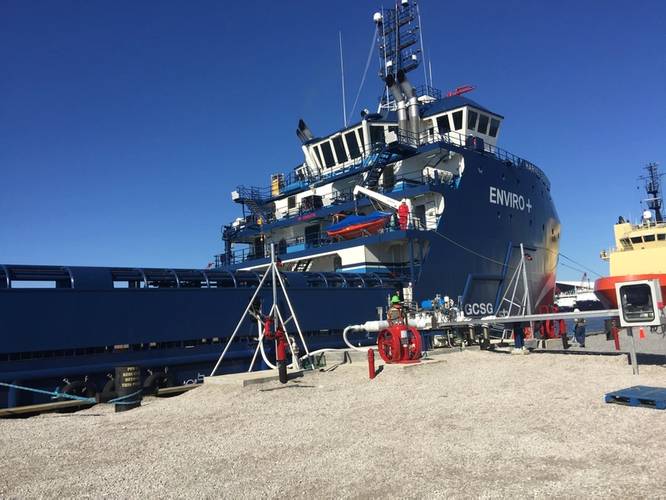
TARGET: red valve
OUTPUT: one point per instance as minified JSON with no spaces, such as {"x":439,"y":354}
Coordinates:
{"x":399,"y":344}
{"x":281,"y":339}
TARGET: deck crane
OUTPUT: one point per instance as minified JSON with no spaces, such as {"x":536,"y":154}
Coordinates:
{"x":396,"y":205}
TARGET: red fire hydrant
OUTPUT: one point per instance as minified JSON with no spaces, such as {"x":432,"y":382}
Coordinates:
{"x":371,"y":364}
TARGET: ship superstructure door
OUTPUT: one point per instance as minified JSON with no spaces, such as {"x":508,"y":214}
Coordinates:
{"x":312,"y":235}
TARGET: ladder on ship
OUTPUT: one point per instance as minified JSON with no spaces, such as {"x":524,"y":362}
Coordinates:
{"x":379,"y":159}
{"x":302,"y":265}
{"x":256,"y":209}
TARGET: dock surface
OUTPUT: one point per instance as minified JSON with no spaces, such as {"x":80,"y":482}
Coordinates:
{"x":476,"y":424}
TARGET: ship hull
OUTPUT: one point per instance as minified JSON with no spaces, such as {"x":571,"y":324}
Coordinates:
{"x":52,"y":335}
{"x":476,"y":247}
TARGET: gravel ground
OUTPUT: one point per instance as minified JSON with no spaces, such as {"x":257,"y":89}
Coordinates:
{"x":476,"y":424}
{"x":653,"y":343}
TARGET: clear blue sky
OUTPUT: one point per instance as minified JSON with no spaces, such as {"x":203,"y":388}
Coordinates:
{"x":125,"y":125}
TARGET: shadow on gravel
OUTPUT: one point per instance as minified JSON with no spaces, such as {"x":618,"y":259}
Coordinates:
{"x":299,"y":386}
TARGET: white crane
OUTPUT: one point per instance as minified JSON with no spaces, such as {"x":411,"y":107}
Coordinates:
{"x":385,"y":200}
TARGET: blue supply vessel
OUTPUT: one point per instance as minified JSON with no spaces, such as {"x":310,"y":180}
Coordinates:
{"x":415,"y":196}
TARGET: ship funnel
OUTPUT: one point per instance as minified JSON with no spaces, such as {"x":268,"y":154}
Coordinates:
{"x":403,"y":124}
{"x":303,"y":132}
{"x":412,"y":104}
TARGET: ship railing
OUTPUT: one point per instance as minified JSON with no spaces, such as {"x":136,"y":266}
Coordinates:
{"x":475,"y":143}
{"x":338,"y":197}
{"x":294,"y":182}
{"x":422,"y":91}
{"x":286,"y":246}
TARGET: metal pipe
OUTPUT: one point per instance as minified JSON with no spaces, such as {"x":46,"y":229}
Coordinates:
{"x":391,"y":84}
{"x":412,"y":104}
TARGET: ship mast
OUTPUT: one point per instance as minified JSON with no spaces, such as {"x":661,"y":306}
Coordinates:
{"x":398,"y":33}
{"x":653,"y":188}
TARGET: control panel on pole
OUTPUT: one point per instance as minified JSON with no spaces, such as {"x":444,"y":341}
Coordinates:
{"x":640,"y":303}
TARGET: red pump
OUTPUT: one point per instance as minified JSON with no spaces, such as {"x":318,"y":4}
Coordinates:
{"x":399,"y":343}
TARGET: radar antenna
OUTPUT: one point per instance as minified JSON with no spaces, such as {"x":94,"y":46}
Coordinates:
{"x":653,"y":188}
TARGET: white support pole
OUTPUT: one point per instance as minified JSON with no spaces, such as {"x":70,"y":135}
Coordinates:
{"x":240,"y":322}
{"x":256,"y":350}
{"x":528,"y":303}
{"x":515,"y":287}
{"x":295,"y":359}
{"x":293,"y":314}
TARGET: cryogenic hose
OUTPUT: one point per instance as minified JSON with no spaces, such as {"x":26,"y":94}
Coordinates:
{"x":368,"y":326}
{"x":344,"y":336}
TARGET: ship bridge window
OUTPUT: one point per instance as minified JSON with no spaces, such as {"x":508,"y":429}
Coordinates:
{"x":483,"y":124}
{"x":443,"y":124}
{"x":377,"y":134}
{"x":625,"y":242}
{"x":291,"y":202}
{"x":661,"y":236}
{"x":339,"y":149}
{"x":494,"y":127}
{"x":457,"y":119}
{"x":352,"y":144}
{"x":326,"y":150}
{"x":648,"y":237}
{"x":636,"y":239}
{"x":361,"y":137}
{"x":471,"y":119}
{"x":321,"y":163}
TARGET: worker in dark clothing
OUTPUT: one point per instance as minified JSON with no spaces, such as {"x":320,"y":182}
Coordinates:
{"x":519,"y":339}
{"x":579,"y":330}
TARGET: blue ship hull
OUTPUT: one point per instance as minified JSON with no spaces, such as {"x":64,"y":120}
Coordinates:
{"x":84,"y":332}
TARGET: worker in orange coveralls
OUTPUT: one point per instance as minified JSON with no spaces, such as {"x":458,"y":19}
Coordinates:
{"x":403,"y":215}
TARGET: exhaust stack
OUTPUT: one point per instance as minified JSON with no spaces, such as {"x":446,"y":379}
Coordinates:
{"x":392,"y":85}
{"x":412,"y":104}
{"x":303,"y":132}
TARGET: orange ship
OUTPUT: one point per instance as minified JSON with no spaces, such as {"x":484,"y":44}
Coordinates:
{"x":640,"y":249}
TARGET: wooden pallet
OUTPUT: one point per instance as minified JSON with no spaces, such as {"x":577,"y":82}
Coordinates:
{"x":639,"y":395}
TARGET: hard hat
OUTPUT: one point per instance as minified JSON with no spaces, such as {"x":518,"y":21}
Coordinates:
{"x":576,"y":310}
{"x":395,"y":299}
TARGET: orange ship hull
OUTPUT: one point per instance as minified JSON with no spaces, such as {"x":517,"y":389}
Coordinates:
{"x":604,"y":288}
